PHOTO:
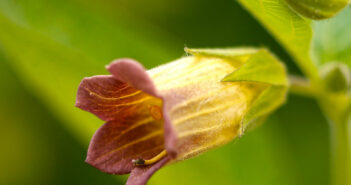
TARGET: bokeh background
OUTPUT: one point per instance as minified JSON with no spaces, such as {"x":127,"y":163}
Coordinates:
{"x":48,"y":46}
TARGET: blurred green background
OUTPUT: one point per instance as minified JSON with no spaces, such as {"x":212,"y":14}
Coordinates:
{"x":48,"y":46}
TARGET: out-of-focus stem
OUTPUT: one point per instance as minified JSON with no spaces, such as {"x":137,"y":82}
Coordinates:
{"x":341,"y":153}
{"x":300,"y":86}
{"x":336,"y":107}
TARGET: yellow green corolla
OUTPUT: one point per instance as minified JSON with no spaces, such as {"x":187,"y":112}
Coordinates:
{"x":204,"y":111}
{"x":178,"y":110}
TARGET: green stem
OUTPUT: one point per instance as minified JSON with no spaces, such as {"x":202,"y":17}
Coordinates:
{"x":341,"y":156}
{"x":300,"y":86}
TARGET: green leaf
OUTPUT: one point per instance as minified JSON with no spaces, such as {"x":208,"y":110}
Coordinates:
{"x":332,"y":39}
{"x":317,"y":9}
{"x":291,"y":30}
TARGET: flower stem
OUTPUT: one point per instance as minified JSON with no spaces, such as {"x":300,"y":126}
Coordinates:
{"x":341,"y":156}
{"x":300,"y":86}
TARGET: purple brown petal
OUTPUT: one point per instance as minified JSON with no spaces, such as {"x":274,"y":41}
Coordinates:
{"x":141,"y":175}
{"x":134,"y":128}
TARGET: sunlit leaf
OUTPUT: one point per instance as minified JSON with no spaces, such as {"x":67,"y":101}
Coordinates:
{"x":291,"y":30}
{"x":317,"y":10}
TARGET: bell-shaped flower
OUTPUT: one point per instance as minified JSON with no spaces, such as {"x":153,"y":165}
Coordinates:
{"x":178,"y":110}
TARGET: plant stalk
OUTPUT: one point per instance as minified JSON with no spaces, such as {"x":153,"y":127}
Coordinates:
{"x":300,"y":86}
{"x":341,"y":152}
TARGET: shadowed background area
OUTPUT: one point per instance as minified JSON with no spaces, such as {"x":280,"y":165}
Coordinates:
{"x":48,"y":46}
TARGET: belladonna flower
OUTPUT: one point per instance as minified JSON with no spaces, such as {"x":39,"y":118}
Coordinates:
{"x":177,"y":110}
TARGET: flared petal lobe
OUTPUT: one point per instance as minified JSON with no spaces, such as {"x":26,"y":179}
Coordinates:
{"x":133,"y":73}
{"x":141,"y":175}
{"x":134,"y":128}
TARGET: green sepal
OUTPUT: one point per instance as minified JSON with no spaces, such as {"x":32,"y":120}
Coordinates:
{"x":254,"y":64}
{"x":261,"y":67}
{"x":269,"y":100}
{"x":253,"y":124}
{"x":237,"y":56}
{"x":257,"y":66}
{"x":223,"y":53}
